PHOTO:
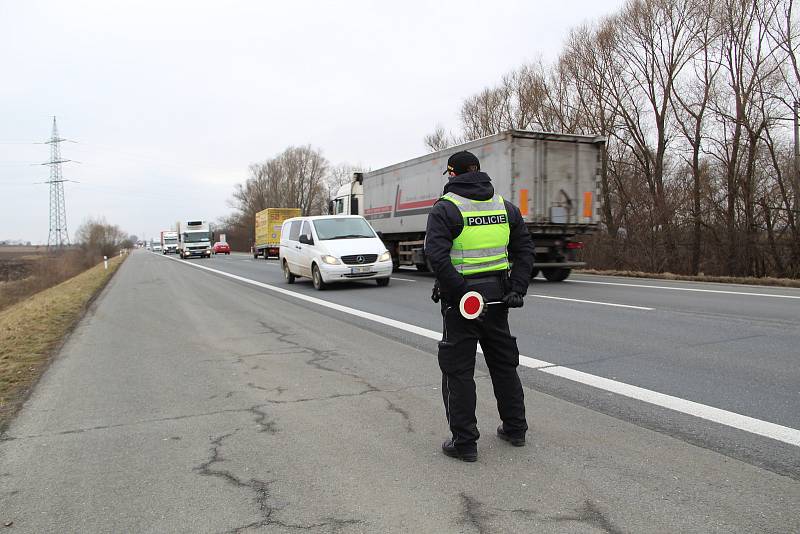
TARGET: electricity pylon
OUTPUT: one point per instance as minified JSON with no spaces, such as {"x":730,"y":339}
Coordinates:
{"x":58,"y":236}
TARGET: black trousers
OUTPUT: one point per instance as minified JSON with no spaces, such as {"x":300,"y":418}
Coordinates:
{"x":457,"y":362}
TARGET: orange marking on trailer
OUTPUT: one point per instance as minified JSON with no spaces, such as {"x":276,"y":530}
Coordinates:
{"x":523,"y":202}
{"x":587,"y":204}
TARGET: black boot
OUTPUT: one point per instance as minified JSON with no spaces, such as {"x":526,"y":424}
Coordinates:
{"x":517,"y":441}
{"x":454,"y":452}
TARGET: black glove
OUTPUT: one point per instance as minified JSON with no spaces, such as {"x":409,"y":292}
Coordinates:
{"x":484,"y":313}
{"x":512,"y":299}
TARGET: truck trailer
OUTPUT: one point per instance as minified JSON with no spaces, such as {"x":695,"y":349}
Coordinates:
{"x":169,"y":241}
{"x":268,"y":230}
{"x":194,"y":239}
{"x":553,"y":178}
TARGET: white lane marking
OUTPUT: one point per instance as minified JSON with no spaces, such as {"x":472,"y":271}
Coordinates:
{"x":742,"y":422}
{"x":709,"y":413}
{"x":403,"y":279}
{"x":686,"y":289}
{"x":593,"y":302}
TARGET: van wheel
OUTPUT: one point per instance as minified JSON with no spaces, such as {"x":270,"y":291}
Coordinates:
{"x":556,"y":275}
{"x":383,"y":282}
{"x":287,"y":274}
{"x":316,"y":278}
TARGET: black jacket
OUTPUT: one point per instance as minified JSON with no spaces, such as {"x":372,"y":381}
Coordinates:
{"x":445,"y":223}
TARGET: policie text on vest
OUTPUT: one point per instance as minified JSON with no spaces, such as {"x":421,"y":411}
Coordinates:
{"x":481,"y":220}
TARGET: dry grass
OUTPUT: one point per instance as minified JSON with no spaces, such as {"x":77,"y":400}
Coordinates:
{"x":17,"y":251}
{"x":31,"y":330}
{"x":777,"y":282}
{"x":23,"y":273}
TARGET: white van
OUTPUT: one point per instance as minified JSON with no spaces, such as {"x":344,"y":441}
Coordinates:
{"x":333,"y":248}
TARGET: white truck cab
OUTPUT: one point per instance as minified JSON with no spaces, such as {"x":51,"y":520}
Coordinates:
{"x":169,"y":242}
{"x":194,"y":239}
{"x":349,"y":199}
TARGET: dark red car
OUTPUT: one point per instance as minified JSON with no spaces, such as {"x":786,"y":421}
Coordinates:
{"x":222,"y":248}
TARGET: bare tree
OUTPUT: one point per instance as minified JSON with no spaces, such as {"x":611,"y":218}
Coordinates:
{"x":656,"y":39}
{"x":438,"y":139}
{"x":99,"y":238}
{"x":298,"y":177}
{"x":691,"y":103}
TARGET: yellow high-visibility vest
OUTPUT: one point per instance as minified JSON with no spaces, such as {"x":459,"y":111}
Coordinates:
{"x":482,"y":246}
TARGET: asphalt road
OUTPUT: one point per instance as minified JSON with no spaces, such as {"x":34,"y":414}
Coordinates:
{"x":188,"y":401}
{"x":728,"y":347}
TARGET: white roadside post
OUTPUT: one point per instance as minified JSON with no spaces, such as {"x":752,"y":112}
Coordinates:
{"x":105,"y":262}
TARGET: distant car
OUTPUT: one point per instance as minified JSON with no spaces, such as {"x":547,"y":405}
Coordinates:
{"x":222,"y":248}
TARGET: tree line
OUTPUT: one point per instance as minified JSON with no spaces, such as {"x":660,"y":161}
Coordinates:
{"x":697,"y":100}
{"x":299,"y":177}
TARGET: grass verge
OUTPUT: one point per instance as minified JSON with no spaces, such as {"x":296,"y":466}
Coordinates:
{"x":777,"y":282}
{"x":31,"y":331}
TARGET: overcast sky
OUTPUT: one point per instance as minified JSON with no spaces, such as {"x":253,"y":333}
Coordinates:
{"x":170,"y":101}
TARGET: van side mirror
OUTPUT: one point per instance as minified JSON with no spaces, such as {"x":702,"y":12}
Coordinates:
{"x":306,"y":240}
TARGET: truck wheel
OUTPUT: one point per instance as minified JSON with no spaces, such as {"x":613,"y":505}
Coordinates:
{"x":383,"y":282}
{"x":287,"y":274}
{"x":255,"y":254}
{"x":534,"y":273}
{"x":556,"y":275}
{"x":316,"y":278}
{"x":421,"y":267}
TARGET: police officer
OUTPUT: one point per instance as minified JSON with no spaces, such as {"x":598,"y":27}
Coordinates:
{"x":473,"y":235}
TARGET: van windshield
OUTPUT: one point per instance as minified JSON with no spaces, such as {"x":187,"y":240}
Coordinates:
{"x":343,"y":228}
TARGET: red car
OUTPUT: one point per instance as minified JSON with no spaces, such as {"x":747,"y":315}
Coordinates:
{"x":222,"y":248}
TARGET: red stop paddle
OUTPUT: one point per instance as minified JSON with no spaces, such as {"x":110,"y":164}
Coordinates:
{"x":471,"y":305}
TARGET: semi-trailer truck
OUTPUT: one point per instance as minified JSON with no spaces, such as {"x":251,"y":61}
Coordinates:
{"x":553,"y":178}
{"x":169,"y":241}
{"x":194,"y":239}
{"x":268,"y":230}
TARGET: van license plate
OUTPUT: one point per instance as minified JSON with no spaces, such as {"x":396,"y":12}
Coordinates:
{"x":358,"y":270}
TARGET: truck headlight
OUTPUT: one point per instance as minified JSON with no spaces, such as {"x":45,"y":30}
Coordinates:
{"x":385,"y":256}
{"x":330,"y":260}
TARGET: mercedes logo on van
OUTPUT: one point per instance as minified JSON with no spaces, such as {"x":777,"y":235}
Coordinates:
{"x":360,"y":259}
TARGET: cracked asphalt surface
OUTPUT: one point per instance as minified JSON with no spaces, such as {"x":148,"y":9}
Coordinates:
{"x":184,"y":402}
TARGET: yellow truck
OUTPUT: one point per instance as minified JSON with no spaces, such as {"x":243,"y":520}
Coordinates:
{"x":268,"y":230}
